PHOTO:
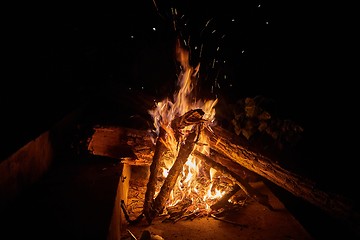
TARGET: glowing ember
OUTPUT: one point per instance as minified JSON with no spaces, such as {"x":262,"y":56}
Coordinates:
{"x":198,"y":186}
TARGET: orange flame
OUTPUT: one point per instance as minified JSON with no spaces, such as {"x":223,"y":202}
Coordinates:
{"x":194,"y":182}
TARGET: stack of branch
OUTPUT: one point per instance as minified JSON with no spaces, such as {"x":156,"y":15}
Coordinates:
{"x":229,"y":145}
{"x":154,"y":206}
{"x":232,"y":157}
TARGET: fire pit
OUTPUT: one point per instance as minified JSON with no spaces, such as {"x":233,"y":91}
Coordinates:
{"x":243,"y":216}
{"x":173,"y":180}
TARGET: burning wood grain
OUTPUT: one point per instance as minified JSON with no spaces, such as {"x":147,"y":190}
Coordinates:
{"x":154,"y":170}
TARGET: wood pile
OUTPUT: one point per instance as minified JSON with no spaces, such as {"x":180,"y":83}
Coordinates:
{"x":229,"y":155}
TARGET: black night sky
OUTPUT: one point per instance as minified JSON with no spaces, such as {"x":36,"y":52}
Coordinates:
{"x":59,"y":56}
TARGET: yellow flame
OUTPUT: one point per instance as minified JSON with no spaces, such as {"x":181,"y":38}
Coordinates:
{"x":189,"y":183}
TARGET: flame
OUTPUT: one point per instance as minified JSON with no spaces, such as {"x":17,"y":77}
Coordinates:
{"x":196,"y":182}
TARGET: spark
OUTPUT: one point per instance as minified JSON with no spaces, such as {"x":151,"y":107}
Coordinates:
{"x":201,"y":49}
{"x":185,"y":43}
{"x":207,"y":23}
{"x":154,"y":29}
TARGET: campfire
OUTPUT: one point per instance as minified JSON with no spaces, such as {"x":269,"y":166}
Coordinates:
{"x":197,"y":168}
{"x":187,"y":178}
{"x":184,"y":181}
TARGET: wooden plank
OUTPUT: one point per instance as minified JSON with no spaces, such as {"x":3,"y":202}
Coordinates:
{"x":132,"y":146}
{"x":333,"y":204}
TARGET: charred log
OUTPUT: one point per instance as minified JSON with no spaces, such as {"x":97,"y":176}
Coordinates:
{"x":189,"y":118}
{"x":236,"y":168}
{"x":224,"y":199}
{"x":169,"y":183}
{"x":244,"y":185}
{"x":226,"y":144}
{"x":154,"y":170}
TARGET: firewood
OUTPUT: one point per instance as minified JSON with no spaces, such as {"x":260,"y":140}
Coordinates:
{"x":154,"y":170}
{"x":191,"y":117}
{"x":174,"y":172}
{"x":230,"y":146}
{"x":231,"y":222}
{"x":133,"y":146}
{"x":244,"y":185}
{"x":238,"y":169}
{"x":224,"y":199}
{"x":333,"y":204}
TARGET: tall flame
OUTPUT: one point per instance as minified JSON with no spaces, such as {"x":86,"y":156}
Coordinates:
{"x":190,"y":184}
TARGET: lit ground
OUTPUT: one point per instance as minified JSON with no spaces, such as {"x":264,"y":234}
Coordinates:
{"x":252,"y":221}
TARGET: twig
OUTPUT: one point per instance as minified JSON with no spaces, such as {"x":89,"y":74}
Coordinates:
{"x":131,"y":234}
{"x":228,"y":221}
{"x":224,"y":199}
{"x":127,"y":217}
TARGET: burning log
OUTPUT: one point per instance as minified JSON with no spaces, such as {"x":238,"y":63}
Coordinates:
{"x":244,"y":185}
{"x":189,"y":118}
{"x":237,"y":169}
{"x":169,"y":183}
{"x":192,"y":117}
{"x":178,"y":211}
{"x":224,"y":199}
{"x":154,"y":169}
{"x":224,"y":143}
{"x":110,"y":141}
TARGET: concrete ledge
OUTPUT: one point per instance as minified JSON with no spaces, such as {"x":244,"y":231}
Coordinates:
{"x":25,"y":167}
{"x":74,"y":200}
{"x":29,"y":163}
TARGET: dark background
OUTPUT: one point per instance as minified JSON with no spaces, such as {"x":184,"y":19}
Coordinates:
{"x":299,"y":54}
{"x":59,"y":56}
